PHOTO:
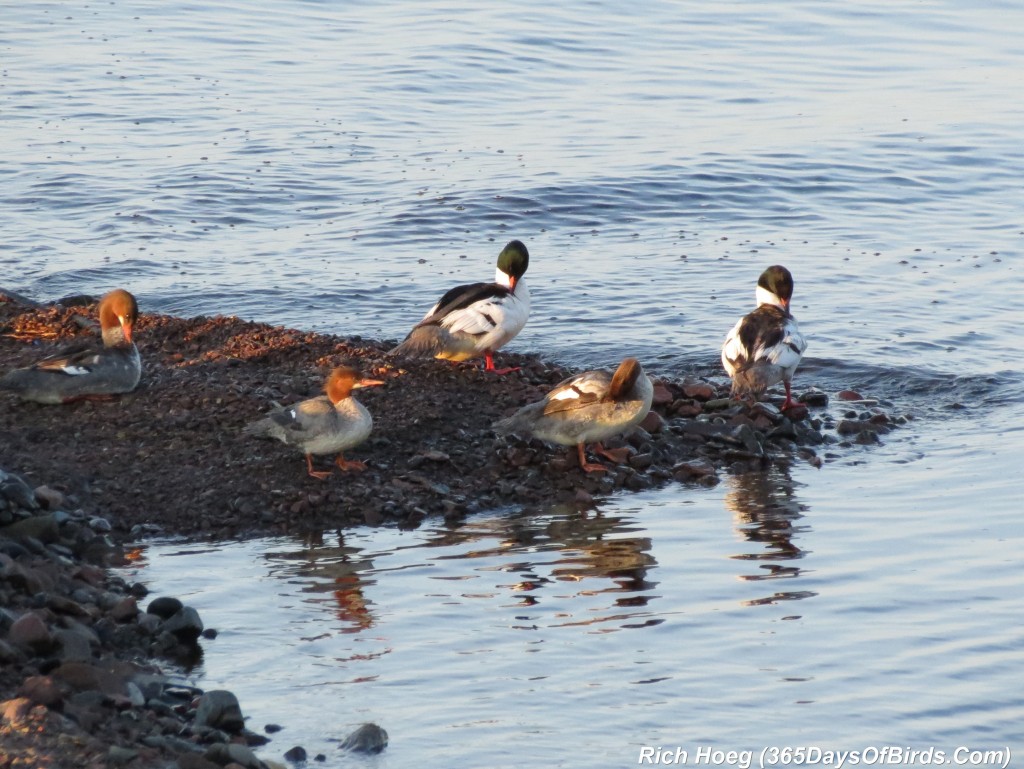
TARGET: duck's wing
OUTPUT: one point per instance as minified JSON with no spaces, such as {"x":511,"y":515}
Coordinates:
{"x":767,"y":334}
{"x":577,"y":392}
{"x":77,"y":360}
{"x":306,"y":419}
{"x":475,"y":308}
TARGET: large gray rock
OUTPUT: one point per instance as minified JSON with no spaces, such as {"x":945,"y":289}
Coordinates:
{"x":368,"y":738}
{"x":185,"y":625}
{"x":219,"y":709}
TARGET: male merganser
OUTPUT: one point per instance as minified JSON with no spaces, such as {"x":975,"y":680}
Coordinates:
{"x":478,"y":318}
{"x":588,"y":408}
{"x":765,"y":346}
{"x":87,"y":370}
{"x":325,"y":424}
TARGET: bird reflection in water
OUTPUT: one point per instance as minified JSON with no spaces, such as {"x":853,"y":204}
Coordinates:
{"x":766,"y":511}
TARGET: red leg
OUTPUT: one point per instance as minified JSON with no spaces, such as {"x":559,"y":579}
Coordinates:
{"x":590,"y":467}
{"x":788,"y":403}
{"x":615,"y":455}
{"x":346,"y":464}
{"x":489,"y":366}
{"x":321,"y":474}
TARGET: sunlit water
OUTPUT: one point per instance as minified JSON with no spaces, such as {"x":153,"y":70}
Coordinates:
{"x":338,"y":165}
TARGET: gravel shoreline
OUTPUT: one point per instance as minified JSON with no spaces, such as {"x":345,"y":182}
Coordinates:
{"x":169,"y":458}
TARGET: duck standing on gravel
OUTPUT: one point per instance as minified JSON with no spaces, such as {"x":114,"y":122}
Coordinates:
{"x":478,"y":318}
{"x":588,"y":408}
{"x":323,"y":425}
{"x":87,"y":370}
{"x":765,"y":346}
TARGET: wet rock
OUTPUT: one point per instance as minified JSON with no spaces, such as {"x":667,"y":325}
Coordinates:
{"x":14,"y":489}
{"x":368,"y":738}
{"x":219,"y":709}
{"x":164,"y":607}
{"x":814,"y":397}
{"x":653,"y":423}
{"x":42,"y":690}
{"x":224,"y":754}
{"x":125,"y":610}
{"x":118,"y":756}
{"x":31,"y":633}
{"x":196,"y":761}
{"x":849,"y":395}
{"x":74,"y":646}
{"x":295,"y":755}
{"x":51,"y":499}
{"x":38,"y":528}
{"x":184,"y":625}
{"x":694,"y":469}
{"x":662,"y":395}
{"x":699,"y":391}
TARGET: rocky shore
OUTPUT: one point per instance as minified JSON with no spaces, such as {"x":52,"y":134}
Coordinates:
{"x":80,"y":682}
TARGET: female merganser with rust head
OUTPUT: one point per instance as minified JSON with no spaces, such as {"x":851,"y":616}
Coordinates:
{"x":87,"y":370}
{"x":588,"y":408}
{"x":765,"y":346}
{"x":325,"y":424}
{"x":478,"y":318}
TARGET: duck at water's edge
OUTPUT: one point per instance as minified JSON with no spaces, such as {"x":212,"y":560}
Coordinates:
{"x":87,"y":370}
{"x":478,"y":318}
{"x":765,"y":346}
{"x":327,"y":424}
{"x":588,"y":409}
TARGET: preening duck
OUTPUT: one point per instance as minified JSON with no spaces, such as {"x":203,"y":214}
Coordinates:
{"x":588,"y":408}
{"x":765,"y":346}
{"x":87,"y":370}
{"x":478,"y":318}
{"x":325,"y":424}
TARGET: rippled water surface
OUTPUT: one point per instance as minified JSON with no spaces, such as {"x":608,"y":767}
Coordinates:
{"x":337,"y":166}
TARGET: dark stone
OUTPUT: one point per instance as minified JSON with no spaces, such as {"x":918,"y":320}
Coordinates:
{"x":219,"y":709}
{"x":368,"y":738}
{"x":164,"y":607}
{"x":296,"y":754}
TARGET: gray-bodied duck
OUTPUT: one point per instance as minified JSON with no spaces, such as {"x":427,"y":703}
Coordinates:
{"x":87,"y":370}
{"x":587,"y":409}
{"x":327,"y":424}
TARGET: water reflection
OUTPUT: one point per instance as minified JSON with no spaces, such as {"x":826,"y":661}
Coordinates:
{"x":766,"y":511}
{"x":606,"y":558}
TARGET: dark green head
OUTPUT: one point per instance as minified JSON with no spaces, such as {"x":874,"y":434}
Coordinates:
{"x":778,"y":282}
{"x":513,"y":260}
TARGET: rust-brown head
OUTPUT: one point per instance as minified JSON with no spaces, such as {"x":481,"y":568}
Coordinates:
{"x":343,"y":380}
{"x":118,"y":313}
{"x":624,"y":379}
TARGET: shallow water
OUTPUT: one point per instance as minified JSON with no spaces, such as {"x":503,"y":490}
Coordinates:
{"x":337,"y":166}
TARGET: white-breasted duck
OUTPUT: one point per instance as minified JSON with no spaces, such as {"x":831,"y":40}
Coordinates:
{"x":587,"y":409}
{"x":87,"y":370}
{"x":765,"y":346}
{"x":478,"y":318}
{"x":326,"y":424}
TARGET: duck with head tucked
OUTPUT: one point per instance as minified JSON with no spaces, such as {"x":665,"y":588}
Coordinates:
{"x":478,"y":318}
{"x":87,"y":370}
{"x":765,"y":346}
{"x":587,"y":409}
{"x":326,"y":424}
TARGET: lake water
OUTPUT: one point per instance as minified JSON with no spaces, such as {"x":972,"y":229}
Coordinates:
{"x":337,"y":166}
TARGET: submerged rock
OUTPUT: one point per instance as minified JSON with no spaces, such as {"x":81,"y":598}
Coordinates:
{"x":368,"y":738}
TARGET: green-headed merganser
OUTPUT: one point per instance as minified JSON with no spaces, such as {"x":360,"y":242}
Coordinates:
{"x":87,"y":370}
{"x":765,"y":346}
{"x":478,"y":318}
{"x":588,"y":408}
{"x":323,"y":425}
